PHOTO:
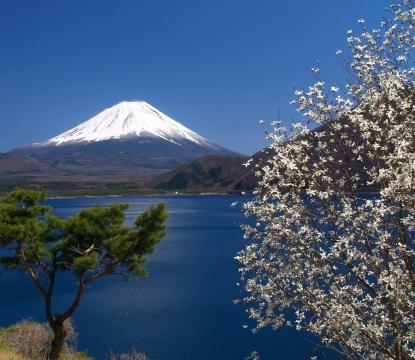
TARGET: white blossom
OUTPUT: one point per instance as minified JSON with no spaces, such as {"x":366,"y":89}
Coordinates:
{"x":321,"y":256}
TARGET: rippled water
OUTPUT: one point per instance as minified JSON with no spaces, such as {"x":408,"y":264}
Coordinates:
{"x":183,"y":310}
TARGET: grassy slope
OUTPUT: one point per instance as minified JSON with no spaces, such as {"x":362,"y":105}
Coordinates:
{"x":8,"y":354}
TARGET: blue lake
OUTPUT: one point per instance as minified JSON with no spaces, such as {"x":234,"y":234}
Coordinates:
{"x":184,"y":309}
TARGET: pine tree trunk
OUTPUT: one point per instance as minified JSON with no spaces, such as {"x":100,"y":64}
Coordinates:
{"x":58,"y":341}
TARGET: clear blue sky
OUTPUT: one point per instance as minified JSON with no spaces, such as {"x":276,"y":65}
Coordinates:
{"x":217,"y":66}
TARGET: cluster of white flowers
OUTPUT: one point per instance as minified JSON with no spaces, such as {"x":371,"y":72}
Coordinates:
{"x":340,"y":263}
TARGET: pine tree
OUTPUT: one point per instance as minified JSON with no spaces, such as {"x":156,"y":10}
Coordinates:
{"x":92,"y":244}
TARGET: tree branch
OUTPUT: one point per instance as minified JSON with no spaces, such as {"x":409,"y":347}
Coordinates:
{"x":32,"y":273}
{"x":67,"y":314}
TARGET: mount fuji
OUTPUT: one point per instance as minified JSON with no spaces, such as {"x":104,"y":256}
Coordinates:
{"x":130,"y":119}
{"x":129,"y":142}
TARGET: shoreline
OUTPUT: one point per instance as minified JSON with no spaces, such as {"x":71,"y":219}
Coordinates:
{"x":63,"y":197}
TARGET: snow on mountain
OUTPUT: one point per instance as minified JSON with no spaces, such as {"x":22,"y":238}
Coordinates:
{"x":129,"y":119}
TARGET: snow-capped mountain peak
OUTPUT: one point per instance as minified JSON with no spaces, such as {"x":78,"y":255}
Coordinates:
{"x":129,"y":119}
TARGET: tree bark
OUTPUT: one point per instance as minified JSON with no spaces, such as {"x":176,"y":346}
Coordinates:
{"x":59,"y":335}
{"x":57,"y":322}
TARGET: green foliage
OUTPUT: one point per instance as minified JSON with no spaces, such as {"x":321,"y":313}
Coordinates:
{"x":23,"y":225}
{"x":19,"y":216}
{"x":82,"y":264}
{"x":93,"y":243}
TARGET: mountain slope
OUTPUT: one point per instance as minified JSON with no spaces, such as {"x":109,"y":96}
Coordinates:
{"x":17,"y":169}
{"x":214,"y":173}
{"x":11,"y":163}
{"x":129,"y":143}
{"x":132,"y":134}
{"x":129,"y":119}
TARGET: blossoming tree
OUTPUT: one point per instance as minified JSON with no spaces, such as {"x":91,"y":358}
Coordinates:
{"x":322,"y":256}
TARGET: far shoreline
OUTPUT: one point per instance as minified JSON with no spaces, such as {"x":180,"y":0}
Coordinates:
{"x":178,"y":194}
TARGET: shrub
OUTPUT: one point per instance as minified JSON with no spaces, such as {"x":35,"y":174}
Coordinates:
{"x":132,"y":355}
{"x":34,"y":340}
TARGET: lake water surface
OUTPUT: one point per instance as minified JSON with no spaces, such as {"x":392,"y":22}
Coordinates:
{"x":184,"y":309}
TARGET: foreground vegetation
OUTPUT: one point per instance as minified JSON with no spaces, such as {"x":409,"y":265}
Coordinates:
{"x":91,"y":245}
{"x":29,"y":340}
